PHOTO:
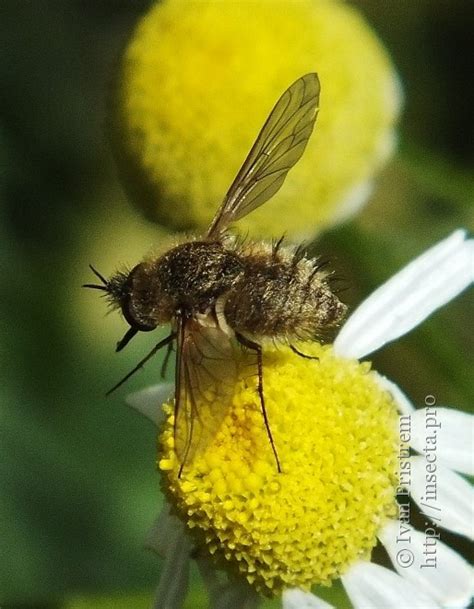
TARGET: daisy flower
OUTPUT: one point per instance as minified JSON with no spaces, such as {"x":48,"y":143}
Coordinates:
{"x":346,"y":438}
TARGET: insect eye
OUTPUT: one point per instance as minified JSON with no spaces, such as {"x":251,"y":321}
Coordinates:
{"x":137,"y":319}
{"x":136,"y":302}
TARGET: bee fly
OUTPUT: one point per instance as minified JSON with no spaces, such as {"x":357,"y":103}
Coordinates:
{"x":218,"y":292}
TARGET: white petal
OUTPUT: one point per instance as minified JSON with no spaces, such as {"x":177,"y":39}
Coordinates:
{"x":370,"y":586}
{"x":403,"y":403}
{"x":357,"y":196}
{"x":148,"y":401}
{"x":176,"y":547}
{"x":409,"y":297}
{"x":166,"y":532}
{"x":224,"y":592}
{"x":453,"y":431}
{"x":297,"y":599}
{"x":429,"y":564}
{"x":442,"y":495}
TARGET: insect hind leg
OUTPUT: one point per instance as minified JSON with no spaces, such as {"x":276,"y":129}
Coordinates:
{"x":246,"y":342}
{"x":301,"y":354}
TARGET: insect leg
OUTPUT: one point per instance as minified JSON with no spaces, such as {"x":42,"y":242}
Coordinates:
{"x":166,"y":360}
{"x":258,"y":350}
{"x":191,"y":424}
{"x":140,"y":364}
{"x":298,"y":352}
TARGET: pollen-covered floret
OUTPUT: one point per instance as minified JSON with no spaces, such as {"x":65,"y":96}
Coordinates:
{"x":335,"y":431}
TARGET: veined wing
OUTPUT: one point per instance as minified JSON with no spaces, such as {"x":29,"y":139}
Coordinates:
{"x":206,"y":373}
{"x":278,"y":147}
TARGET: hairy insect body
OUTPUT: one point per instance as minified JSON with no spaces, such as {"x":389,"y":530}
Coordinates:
{"x":188,"y":278}
{"x":262,"y":290}
{"x":195,"y":274}
{"x":219,"y":291}
{"x":281,"y":294}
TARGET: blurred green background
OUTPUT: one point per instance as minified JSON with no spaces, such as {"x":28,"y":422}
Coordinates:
{"x":78,"y":483}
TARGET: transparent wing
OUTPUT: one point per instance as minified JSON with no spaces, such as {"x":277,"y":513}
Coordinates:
{"x":207,"y":369}
{"x":279,"y":145}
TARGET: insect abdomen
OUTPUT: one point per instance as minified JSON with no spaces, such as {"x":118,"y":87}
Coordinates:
{"x":282,"y":294}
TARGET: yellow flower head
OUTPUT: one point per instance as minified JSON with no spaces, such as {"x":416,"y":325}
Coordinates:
{"x":198,"y":80}
{"x":336,"y":433}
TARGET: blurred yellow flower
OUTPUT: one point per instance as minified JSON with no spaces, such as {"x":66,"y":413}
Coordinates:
{"x":197,"y":81}
{"x":306,"y":525}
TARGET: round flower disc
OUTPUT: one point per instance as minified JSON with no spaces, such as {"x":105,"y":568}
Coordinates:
{"x":336,"y":435}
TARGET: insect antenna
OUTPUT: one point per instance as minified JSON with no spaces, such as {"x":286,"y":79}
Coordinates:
{"x":95,"y":286}
{"x":142,"y":362}
{"x":105,"y":284}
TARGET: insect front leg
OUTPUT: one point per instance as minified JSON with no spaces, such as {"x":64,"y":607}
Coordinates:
{"x":141,"y":363}
{"x":246,"y":342}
